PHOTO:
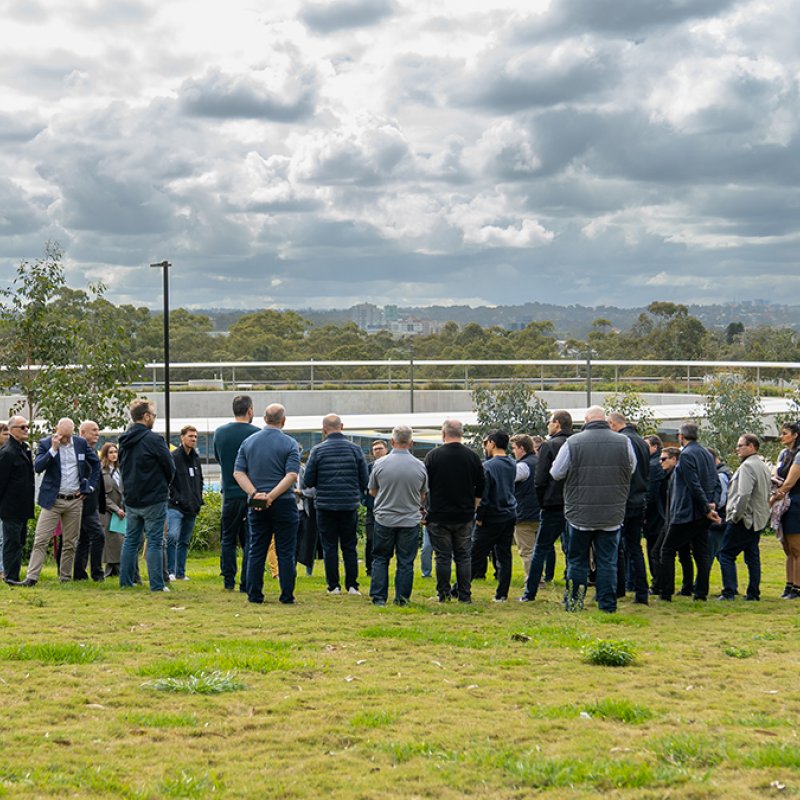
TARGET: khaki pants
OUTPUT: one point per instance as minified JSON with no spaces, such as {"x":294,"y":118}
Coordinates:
{"x":69,"y":513}
{"x":272,"y":559}
{"x":525,"y":537}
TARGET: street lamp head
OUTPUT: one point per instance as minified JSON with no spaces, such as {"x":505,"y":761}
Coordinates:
{"x":162,"y":264}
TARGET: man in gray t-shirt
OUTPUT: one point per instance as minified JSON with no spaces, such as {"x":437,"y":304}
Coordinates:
{"x":399,"y":484}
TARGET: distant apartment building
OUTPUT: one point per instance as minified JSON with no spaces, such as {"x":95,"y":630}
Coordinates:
{"x":372,"y":319}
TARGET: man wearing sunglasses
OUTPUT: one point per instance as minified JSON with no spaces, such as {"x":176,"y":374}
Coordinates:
{"x":16,"y":495}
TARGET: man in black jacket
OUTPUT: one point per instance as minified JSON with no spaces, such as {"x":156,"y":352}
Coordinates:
{"x":550,"y":493}
{"x":16,"y":495}
{"x":147,"y":471}
{"x":630,"y":550}
{"x":92,"y":538}
{"x":185,"y":499}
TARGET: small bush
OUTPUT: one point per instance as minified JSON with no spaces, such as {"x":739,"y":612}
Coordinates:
{"x":199,"y":683}
{"x":609,"y":653}
{"x":207,"y":527}
{"x":732,"y":651}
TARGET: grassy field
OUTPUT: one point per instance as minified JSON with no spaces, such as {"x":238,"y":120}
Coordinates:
{"x":116,"y":694}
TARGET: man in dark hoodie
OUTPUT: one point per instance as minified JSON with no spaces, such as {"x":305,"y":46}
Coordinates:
{"x":630,"y":550}
{"x":550,"y":493}
{"x":147,"y":471}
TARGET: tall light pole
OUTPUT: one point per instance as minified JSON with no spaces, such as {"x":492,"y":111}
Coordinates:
{"x":165,"y":265}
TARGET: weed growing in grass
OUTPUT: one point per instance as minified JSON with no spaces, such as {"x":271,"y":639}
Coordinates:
{"x":4,"y":623}
{"x":401,"y":752}
{"x":200,"y":683}
{"x":685,"y":750}
{"x":610,"y":653}
{"x":187,"y":785}
{"x":145,"y":720}
{"x":55,"y":653}
{"x":768,"y":636}
{"x":373,"y":719}
{"x":774,"y":755}
{"x":732,"y":651}
{"x":760,"y":720}
{"x":612,"y":709}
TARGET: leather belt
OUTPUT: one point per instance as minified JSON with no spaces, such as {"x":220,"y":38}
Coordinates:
{"x":73,"y":496}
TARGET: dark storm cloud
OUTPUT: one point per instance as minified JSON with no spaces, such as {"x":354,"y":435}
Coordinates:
{"x":344,"y":14}
{"x":250,"y":96}
{"x":625,"y":18}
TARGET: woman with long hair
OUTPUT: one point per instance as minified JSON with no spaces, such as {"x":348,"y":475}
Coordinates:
{"x":787,"y":475}
{"x":112,"y":485}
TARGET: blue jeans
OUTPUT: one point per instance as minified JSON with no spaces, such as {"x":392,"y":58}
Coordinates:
{"x":387,"y":541}
{"x":150,"y":521}
{"x":233,"y":532}
{"x":739,"y":539}
{"x":279,"y":520}
{"x":426,"y":554}
{"x":606,"y":546}
{"x":335,"y":528}
{"x":551,"y":525}
{"x":180,"y":528}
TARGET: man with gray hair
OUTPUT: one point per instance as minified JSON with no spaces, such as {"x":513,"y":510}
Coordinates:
{"x":455,"y":487}
{"x":399,"y":484}
{"x":71,"y":471}
{"x":596,"y":465}
{"x":266,"y":469}
{"x":337,"y":469}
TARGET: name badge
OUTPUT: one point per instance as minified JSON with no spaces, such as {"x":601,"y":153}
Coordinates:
{"x":81,"y":456}
{"x":191,"y":472}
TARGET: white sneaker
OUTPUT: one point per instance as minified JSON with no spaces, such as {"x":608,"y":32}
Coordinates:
{"x":499,"y":599}
{"x":165,"y":589}
{"x":353,"y":590}
{"x":185,"y":578}
{"x":172,"y":576}
{"x":337,"y":590}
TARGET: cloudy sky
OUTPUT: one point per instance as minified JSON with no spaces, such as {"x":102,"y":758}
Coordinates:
{"x":405,"y":151}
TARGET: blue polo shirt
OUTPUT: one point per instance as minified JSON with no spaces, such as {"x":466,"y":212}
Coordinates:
{"x":266,"y":457}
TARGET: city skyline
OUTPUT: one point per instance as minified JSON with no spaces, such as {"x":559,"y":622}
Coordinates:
{"x":595,"y":152}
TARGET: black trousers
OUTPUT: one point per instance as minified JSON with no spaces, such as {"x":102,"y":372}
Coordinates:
{"x":91,"y":542}
{"x":15,"y":531}
{"x":695,"y":535}
{"x":497,"y":537}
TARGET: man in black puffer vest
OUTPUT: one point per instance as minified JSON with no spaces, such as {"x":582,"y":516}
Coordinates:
{"x":596,"y":465}
{"x":631,"y":538}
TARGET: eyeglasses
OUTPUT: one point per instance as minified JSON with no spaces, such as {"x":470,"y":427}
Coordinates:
{"x":664,"y":458}
{"x":22,"y":427}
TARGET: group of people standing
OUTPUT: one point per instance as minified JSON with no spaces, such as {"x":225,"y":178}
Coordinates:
{"x":95,"y":509}
{"x":598,"y":491}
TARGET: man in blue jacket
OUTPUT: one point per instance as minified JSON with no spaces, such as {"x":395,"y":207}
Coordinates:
{"x":71,"y":472}
{"x":147,"y":471}
{"x":694,"y":495}
{"x":337,"y":469}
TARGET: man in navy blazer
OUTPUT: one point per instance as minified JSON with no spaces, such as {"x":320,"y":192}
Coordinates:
{"x":71,"y":472}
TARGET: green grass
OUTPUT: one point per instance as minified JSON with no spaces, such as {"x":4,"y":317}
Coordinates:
{"x":55,"y":653}
{"x":610,"y":653}
{"x":344,"y":700}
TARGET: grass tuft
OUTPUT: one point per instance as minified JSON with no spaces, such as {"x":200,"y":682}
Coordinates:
{"x":611,"y":709}
{"x":188,"y":785}
{"x":374,"y":719}
{"x":688,"y":750}
{"x":55,"y":653}
{"x":609,"y":653}
{"x":774,"y":755}
{"x":199,"y":683}
{"x":732,"y":651}
{"x":154,"y":720}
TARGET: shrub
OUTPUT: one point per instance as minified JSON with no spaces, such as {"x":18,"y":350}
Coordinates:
{"x":609,"y":653}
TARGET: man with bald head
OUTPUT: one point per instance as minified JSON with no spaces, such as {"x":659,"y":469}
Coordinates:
{"x":71,"y":471}
{"x":596,"y":465}
{"x":337,"y":469}
{"x":266,"y":469}
{"x":92,"y":538}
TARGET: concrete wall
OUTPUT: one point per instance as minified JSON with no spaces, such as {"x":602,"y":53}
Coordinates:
{"x":205,"y":404}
